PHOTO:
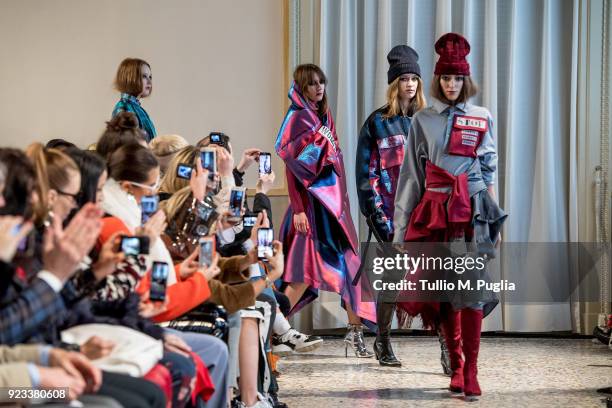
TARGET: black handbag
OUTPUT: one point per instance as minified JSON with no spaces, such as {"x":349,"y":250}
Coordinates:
{"x":207,"y":318}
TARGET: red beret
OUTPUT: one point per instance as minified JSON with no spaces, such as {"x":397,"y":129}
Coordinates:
{"x":452,"y":48}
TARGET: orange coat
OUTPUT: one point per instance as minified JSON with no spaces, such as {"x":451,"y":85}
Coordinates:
{"x":183,"y":296}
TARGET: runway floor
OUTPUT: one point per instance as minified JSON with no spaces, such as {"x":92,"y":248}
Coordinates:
{"x":513,"y":372}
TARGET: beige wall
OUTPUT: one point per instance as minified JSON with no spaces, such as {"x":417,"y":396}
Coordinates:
{"x":217,"y":65}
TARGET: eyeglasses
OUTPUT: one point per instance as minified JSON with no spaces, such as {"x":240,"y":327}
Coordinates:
{"x":152,"y":188}
{"x":74,"y":197}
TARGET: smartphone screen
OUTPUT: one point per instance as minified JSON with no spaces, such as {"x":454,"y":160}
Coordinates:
{"x":207,"y":251}
{"x":159,"y":277}
{"x":236,"y":201}
{"x":249,"y":220}
{"x":265,"y":236}
{"x":208,"y":156}
{"x":215,"y":138}
{"x":148,"y":206}
{"x":130,"y":246}
{"x":265,"y":163}
{"x":184,"y":171}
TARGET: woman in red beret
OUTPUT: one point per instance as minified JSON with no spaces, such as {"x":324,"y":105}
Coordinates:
{"x":446,"y":194}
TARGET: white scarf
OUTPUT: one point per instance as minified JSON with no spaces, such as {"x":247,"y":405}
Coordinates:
{"x":122,"y":205}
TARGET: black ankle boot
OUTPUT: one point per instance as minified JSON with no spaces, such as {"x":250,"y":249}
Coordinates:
{"x":382,"y":345}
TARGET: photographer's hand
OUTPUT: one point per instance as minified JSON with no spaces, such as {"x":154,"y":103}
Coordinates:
{"x":265,"y":183}
{"x":249,"y":156}
{"x":109,"y":257}
{"x":199,"y":181}
{"x":190,"y":265}
{"x":154,"y":227}
{"x":276,"y":260}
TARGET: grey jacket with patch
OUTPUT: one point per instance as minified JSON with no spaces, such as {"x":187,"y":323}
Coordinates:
{"x":428,"y":139}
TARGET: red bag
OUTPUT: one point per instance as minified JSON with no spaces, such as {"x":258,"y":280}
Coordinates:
{"x":466,"y":135}
{"x":204,"y":386}
{"x":160,"y":376}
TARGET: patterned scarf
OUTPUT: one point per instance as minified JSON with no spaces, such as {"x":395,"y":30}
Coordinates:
{"x":130,"y":103}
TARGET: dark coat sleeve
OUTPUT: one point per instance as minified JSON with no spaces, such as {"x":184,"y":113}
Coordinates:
{"x":23,"y":314}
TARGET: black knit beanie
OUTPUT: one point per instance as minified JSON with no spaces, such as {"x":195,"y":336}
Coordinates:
{"x":402,"y":60}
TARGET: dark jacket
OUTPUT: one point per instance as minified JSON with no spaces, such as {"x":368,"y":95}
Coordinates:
{"x":380,"y":152}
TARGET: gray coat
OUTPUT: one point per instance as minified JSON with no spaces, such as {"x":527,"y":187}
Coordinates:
{"x":428,"y":139}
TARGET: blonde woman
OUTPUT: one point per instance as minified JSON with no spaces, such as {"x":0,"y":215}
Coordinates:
{"x":380,"y":153}
{"x":165,"y":147}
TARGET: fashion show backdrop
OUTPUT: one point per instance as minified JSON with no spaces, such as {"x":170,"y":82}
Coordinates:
{"x":539,"y":65}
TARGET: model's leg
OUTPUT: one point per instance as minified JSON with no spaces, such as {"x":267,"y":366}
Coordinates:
{"x":382,"y":345}
{"x":451,"y":328}
{"x":286,"y":339}
{"x":294,"y":292}
{"x":248,"y":360}
{"x":354,"y":336}
{"x":471,"y":324}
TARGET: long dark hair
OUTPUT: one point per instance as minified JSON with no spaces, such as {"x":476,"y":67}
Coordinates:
{"x":19,"y":183}
{"x":131,"y":162}
{"x":304,"y":75}
{"x":91,"y":166}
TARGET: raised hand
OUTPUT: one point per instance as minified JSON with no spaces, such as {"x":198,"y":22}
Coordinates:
{"x":265,"y":183}
{"x":276,"y":260}
{"x":213,"y":270}
{"x":225,"y":161}
{"x":63,"y":250}
{"x":249,"y":156}
{"x":12,"y":231}
{"x":108,"y":258}
{"x":154,"y":227}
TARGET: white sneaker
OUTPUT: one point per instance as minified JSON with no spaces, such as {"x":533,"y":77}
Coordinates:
{"x":293,"y":340}
{"x":262,"y":402}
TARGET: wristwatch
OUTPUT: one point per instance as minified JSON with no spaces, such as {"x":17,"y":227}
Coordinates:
{"x":269,"y":283}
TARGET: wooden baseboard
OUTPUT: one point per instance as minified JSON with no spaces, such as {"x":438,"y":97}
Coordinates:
{"x":275,"y":192}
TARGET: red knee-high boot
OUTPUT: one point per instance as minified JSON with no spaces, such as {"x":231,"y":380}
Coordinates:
{"x":451,"y":327}
{"x":471,"y":324}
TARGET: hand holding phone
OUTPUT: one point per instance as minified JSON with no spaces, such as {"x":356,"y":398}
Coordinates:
{"x":134,"y":245}
{"x":154,"y":227}
{"x":208,"y":157}
{"x":249,"y":220}
{"x":265,"y":163}
{"x":108,"y":257}
{"x":265,"y":236}
{"x":148,"y":206}
{"x":276,"y":261}
{"x":212,"y":270}
{"x":207,"y":251}
{"x":236,"y":202}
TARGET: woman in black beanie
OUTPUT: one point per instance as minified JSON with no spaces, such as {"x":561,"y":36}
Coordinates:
{"x":380,"y":153}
